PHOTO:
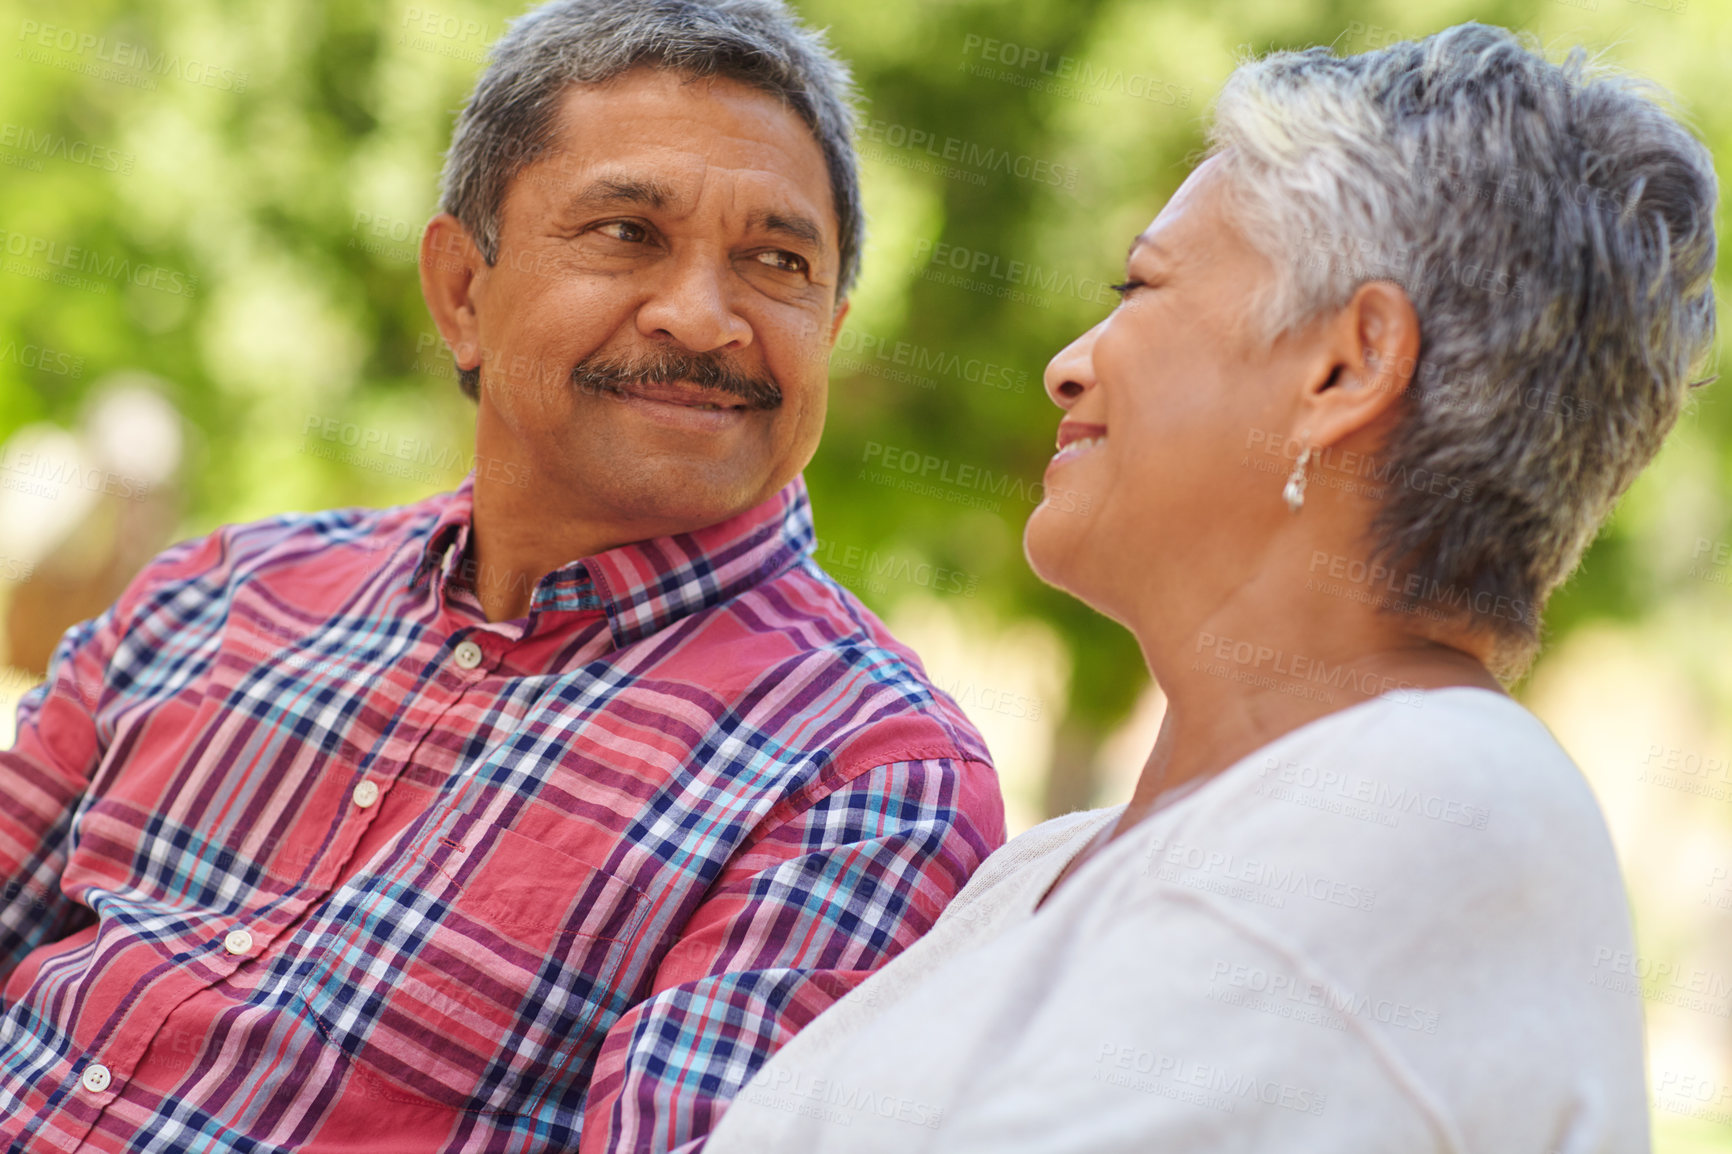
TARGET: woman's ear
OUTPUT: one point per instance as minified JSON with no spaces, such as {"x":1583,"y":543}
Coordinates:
{"x":1371,"y":348}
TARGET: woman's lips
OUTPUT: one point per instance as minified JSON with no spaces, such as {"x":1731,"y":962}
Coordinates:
{"x":1076,"y":438}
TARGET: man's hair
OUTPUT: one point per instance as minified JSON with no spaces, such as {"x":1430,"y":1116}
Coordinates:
{"x":1552,"y":225}
{"x":510,"y":118}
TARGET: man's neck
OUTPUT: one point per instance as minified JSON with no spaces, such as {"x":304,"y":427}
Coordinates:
{"x":518,"y":536}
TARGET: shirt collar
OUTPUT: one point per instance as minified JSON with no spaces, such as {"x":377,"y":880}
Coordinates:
{"x":648,"y":585}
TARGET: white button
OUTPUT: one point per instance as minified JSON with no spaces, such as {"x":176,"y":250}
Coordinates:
{"x":366,"y":793}
{"x":238,"y":942}
{"x":96,"y":1078}
{"x":467,"y":655}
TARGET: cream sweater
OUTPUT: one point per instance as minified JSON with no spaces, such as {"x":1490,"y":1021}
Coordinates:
{"x":1396,"y":929}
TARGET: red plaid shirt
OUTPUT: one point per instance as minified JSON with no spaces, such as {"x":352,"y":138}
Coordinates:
{"x":300,"y":852}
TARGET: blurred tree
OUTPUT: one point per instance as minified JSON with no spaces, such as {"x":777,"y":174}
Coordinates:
{"x":230,"y":196}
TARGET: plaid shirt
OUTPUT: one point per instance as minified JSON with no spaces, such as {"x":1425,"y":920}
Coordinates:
{"x":300,"y":852}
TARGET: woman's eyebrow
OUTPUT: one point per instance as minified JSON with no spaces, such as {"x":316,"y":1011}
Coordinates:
{"x":1154,"y":246}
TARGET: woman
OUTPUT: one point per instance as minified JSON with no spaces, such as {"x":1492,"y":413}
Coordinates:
{"x":1381,"y":367}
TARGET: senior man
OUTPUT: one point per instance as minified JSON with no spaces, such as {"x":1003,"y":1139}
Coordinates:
{"x":531,"y":816}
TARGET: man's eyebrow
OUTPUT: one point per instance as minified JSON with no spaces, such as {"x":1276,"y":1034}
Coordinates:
{"x":789,"y":224}
{"x":625,"y":190}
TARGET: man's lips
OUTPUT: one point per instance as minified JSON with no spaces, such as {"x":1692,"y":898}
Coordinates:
{"x":680,"y":393}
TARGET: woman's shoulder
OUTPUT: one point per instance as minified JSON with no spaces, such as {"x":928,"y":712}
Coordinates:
{"x":1006,"y":881}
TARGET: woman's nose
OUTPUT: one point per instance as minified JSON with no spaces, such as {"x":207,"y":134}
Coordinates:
{"x":1071,"y":374}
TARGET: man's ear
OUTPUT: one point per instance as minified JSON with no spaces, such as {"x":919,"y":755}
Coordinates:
{"x":450,"y":265}
{"x":1368,"y":354}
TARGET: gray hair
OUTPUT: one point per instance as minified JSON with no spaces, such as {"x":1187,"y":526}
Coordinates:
{"x":1552,"y":225}
{"x":509,"y":120}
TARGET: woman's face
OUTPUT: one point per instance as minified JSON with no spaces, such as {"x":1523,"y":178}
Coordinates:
{"x":1171,"y":404}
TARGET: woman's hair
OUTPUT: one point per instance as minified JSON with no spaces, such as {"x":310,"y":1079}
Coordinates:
{"x":1552,"y":225}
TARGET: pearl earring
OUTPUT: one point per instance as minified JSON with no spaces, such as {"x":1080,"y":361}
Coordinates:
{"x":1294,"y":492}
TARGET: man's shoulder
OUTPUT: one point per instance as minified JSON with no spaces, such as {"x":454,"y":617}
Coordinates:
{"x":246,"y":547}
{"x":802,"y":625}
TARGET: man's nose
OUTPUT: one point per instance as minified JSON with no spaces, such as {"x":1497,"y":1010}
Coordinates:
{"x":692,"y":303}
{"x":1071,"y":373}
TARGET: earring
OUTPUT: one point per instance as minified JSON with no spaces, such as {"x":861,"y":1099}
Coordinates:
{"x":1294,"y":492}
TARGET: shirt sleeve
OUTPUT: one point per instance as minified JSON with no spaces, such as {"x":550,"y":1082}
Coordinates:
{"x":61,"y":740}
{"x":42,"y":778}
{"x":797,"y":920}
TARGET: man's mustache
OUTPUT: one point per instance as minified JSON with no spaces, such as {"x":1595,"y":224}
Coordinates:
{"x":613,"y":373}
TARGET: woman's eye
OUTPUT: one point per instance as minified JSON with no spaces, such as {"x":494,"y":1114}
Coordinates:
{"x":783,"y":260}
{"x":1124,"y":289}
{"x":629,"y":231}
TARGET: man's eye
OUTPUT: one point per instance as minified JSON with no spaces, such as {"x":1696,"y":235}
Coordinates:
{"x":629,"y":231}
{"x":783,"y":260}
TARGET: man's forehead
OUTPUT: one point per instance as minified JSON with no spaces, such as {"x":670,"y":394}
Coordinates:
{"x":657,"y":139}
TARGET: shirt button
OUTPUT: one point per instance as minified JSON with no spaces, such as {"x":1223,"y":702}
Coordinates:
{"x":366,"y":793}
{"x":467,"y":655}
{"x":96,"y":1078}
{"x":238,"y":942}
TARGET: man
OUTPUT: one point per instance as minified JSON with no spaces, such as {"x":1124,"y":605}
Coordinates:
{"x":534,"y":816}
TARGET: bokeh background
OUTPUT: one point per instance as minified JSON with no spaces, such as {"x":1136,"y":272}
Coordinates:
{"x":209,"y":312}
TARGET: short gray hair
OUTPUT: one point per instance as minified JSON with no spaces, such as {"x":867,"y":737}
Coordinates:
{"x":509,"y":119}
{"x":1552,"y":225}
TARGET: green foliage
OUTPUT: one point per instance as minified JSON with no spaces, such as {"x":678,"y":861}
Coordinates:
{"x":277,"y":161}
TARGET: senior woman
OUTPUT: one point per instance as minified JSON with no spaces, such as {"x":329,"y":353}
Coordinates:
{"x":1360,"y":900}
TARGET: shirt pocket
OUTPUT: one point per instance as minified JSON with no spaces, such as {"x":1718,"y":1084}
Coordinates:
{"x":478,"y":974}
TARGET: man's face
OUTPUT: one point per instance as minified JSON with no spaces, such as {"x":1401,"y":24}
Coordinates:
{"x":655,"y":333}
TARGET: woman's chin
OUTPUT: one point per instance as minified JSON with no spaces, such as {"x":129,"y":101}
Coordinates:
{"x":1052,"y":541}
